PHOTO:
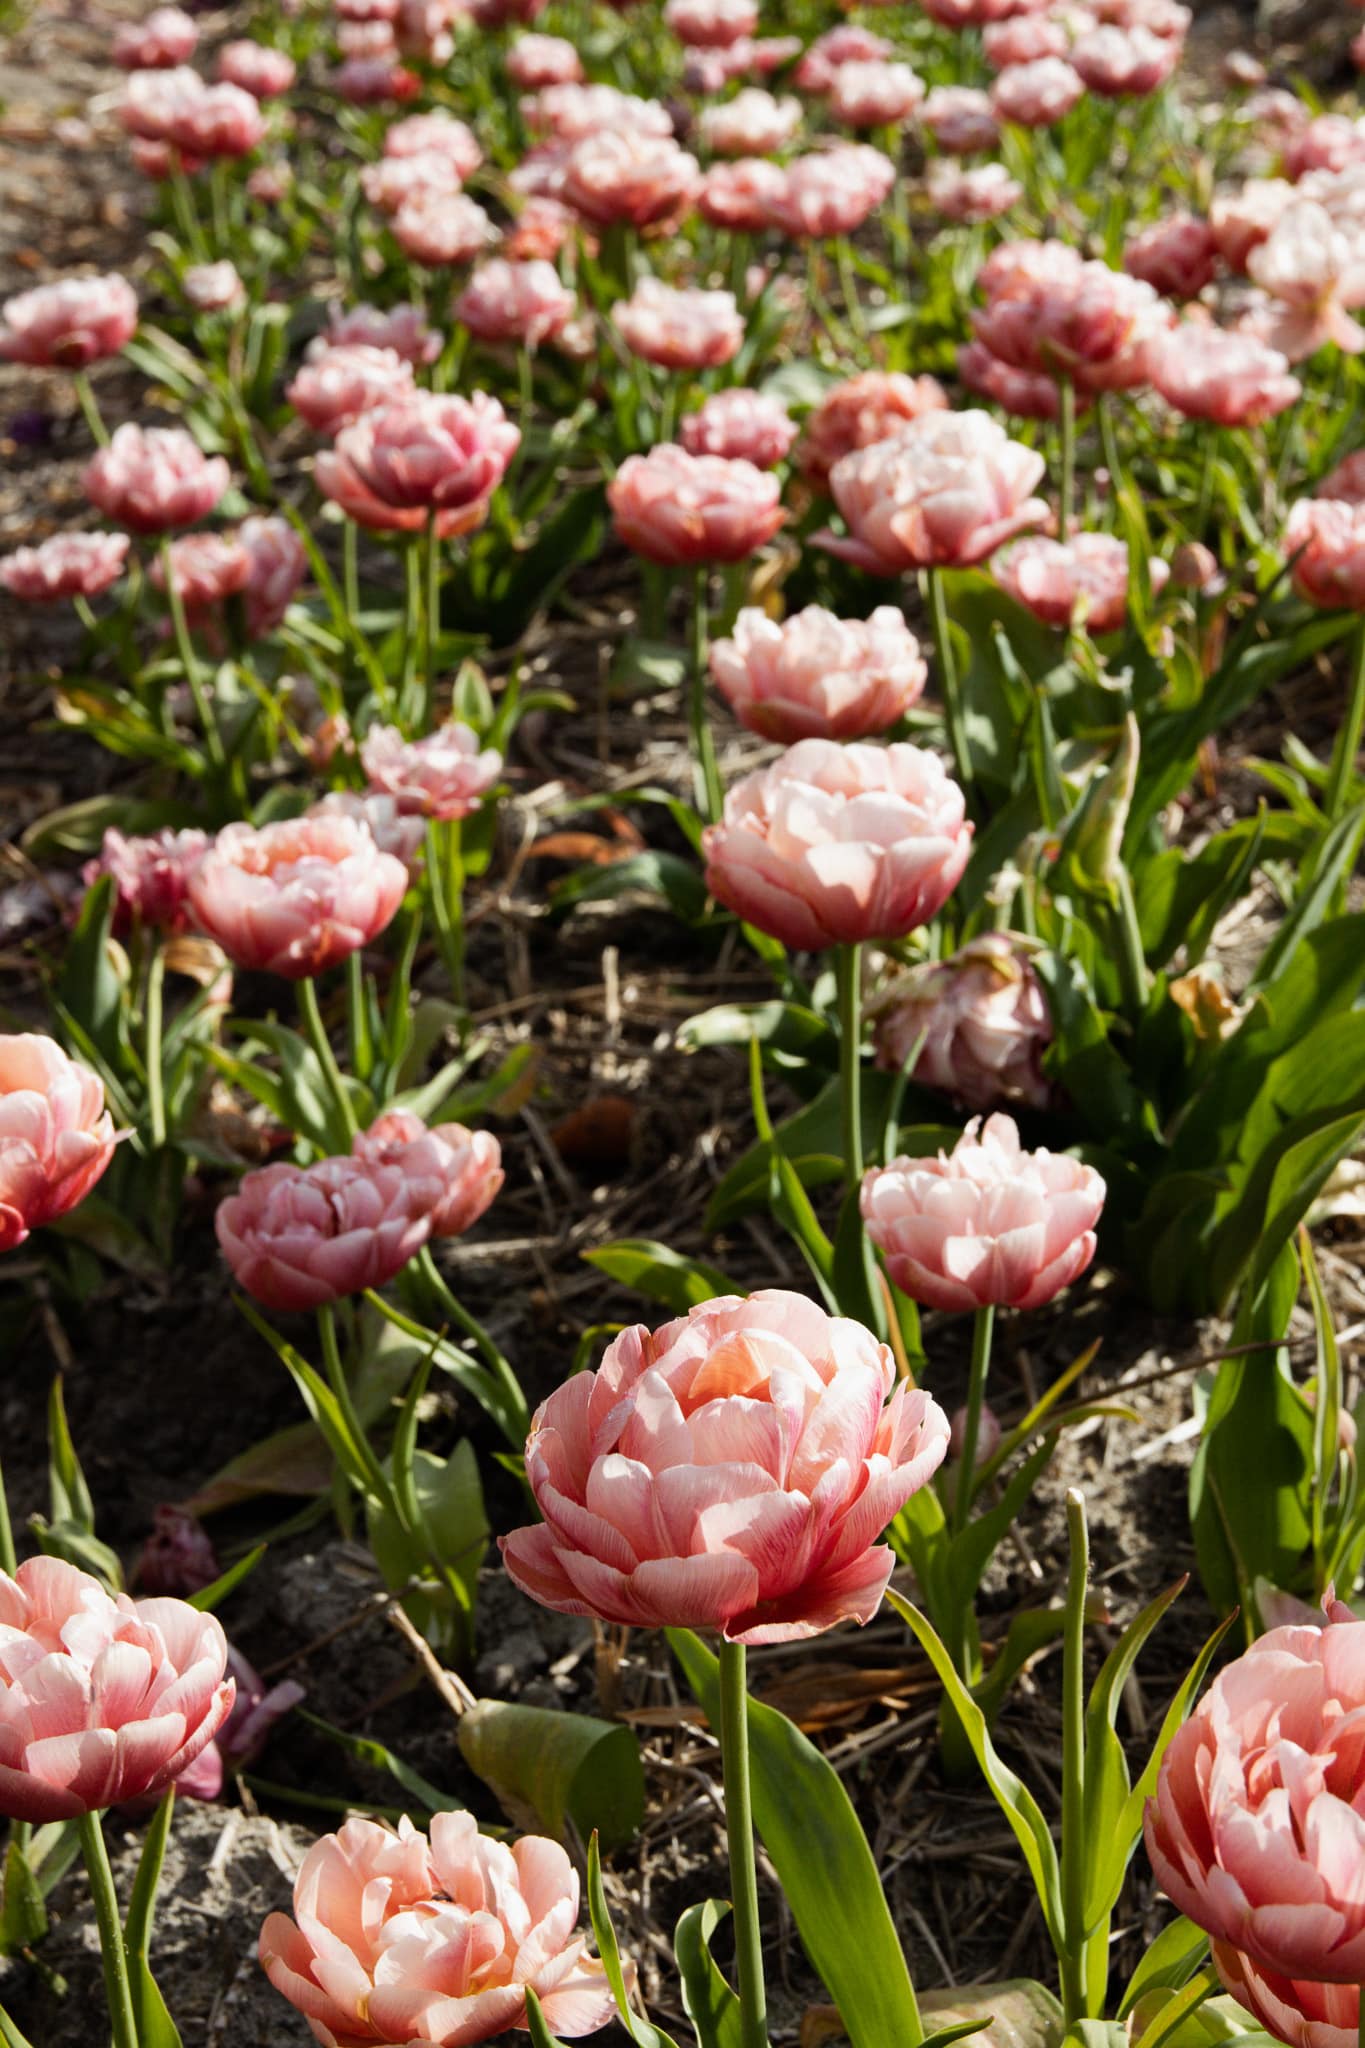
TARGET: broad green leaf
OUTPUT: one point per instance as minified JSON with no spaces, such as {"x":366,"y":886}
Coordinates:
{"x":548,"y":1768}
{"x":1168,"y":1963}
{"x":786,"y":1027}
{"x":155,"y":2027}
{"x":10,"y":2037}
{"x":23,"y":1916}
{"x":708,"y":2001}
{"x":652,"y":1269}
{"x":656,"y":874}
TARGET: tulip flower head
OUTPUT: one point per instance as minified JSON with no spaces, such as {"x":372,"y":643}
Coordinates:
{"x":296,"y":897}
{"x":624,"y":175}
{"x":752,"y":124}
{"x":67,"y":565}
{"x":980,"y":1022}
{"x":56,"y":1136}
{"x":863,"y":409}
{"x":831,"y":191}
{"x":817,"y":676}
{"x":445,"y":774}
{"x":732,"y":1470}
{"x":534,"y":61}
{"x":1080,"y":581}
{"x":943,"y":492}
{"x":676,"y":508}
{"x":743,"y":426}
{"x":679,"y":329}
{"x":1177,"y":256}
{"x":961,"y":119}
{"x":468,"y":1164}
{"x":970,"y":195}
{"x":1208,"y":373}
{"x":69,"y":324}
{"x":301,"y":1237}
{"x":339,"y":384}
{"x":150,"y":479}
{"x":1037,"y":94}
{"x":522,"y":302}
{"x":151,"y":877}
{"x":1325,"y":540}
{"x":419,"y":456}
{"x":164,"y":38}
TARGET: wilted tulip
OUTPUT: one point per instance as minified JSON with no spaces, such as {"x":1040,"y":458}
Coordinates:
{"x":624,"y":175}
{"x":467,"y":1163}
{"x":987,"y":1224}
{"x":1176,"y":256}
{"x":56,"y":1139}
{"x":434,"y":1941}
{"x":878,"y":94}
{"x":832,"y":845}
{"x":679,"y":329}
{"x":394,"y":468}
{"x":69,"y":324}
{"x":67,"y":565}
{"x":164,"y":38}
{"x":983,"y":192}
{"x":404,"y":329}
{"x":102,"y":1700}
{"x":1325,"y":540}
{"x":295,"y":897}
{"x":178,"y":1557}
{"x":301,"y":1237}
{"x":257,"y":68}
{"x":831,"y":192}
{"x":862,"y":410}
{"x":753,"y":123}
{"x":743,"y":426}
{"x":976,"y":1023}
{"x":340,"y":384}
{"x":1081,"y":581}
{"x":442,"y":229}
{"x":961,"y":119}
{"x":741,"y":195}
{"x":677,"y":508}
{"x":1207,"y":373}
{"x":213,"y":287}
{"x":1037,"y":94}
{"x":943,"y":492}
{"x":1120,"y":63}
{"x":151,"y":877}
{"x":815,"y":676}
{"x":711,"y":24}
{"x":987,"y":1438}
{"x":534,"y":61}
{"x":443,"y":775}
{"x":732,"y":1470}
{"x":150,"y":479}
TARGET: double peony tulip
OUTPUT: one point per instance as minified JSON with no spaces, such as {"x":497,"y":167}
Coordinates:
{"x":677,"y":508}
{"x":151,"y":877}
{"x":151,"y":479}
{"x":679,"y":330}
{"x":1325,"y":539}
{"x":421,"y":457}
{"x":339,"y":384}
{"x":296,"y":897}
{"x":977,"y":1024}
{"x":814,"y":676}
{"x":1232,"y":379}
{"x":102,"y":1700}
{"x":732,"y":1470}
{"x":67,"y":565}
{"x":443,"y":775}
{"x":56,"y":1136}
{"x":1082,"y":581}
{"x":860,"y":411}
{"x":468,"y":1164}
{"x":944,"y":492}
{"x":300,"y":1237}
{"x":68,"y":324}
{"x":741,"y":425}
{"x":522,"y":302}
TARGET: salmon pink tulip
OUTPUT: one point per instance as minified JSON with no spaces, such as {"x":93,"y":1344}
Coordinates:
{"x":677,"y":508}
{"x":300,"y":1237}
{"x":426,"y":454}
{"x":1233,"y":379}
{"x":440,"y":132}
{"x":1081,"y":581}
{"x":468,"y":1164}
{"x":679,"y":329}
{"x":741,"y":195}
{"x":983,"y":192}
{"x":445,"y":774}
{"x":257,"y":68}
{"x":814,"y":676}
{"x":863,"y":409}
{"x":848,"y":43}
{"x":831,"y":191}
{"x":943,"y":492}
{"x":752,"y":124}
{"x":56,"y":1136}
{"x":976,"y":1025}
{"x":339,"y":384}
{"x":879,"y":94}
{"x":1176,"y":256}
{"x":961,"y":119}
{"x":743,"y":426}
{"x":150,"y":479}
{"x":1325,"y":539}
{"x":1037,"y":94}
{"x":164,"y":38}
{"x":295,"y":897}
{"x":534,"y":61}
{"x":515,"y":302}
{"x":404,"y":329}
{"x":711,"y":24}
{"x":67,"y":565}
{"x":624,"y":175}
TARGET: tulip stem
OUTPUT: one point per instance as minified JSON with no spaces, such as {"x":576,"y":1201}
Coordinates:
{"x":848,"y":976}
{"x":1342,"y":772}
{"x":1066,"y":420}
{"x":431,"y":616}
{"x":113,"y":1949}
{"x":1075,"y":1848}
{"x":951,"y":681}
{"x":706,"y":774}
{"x":189,"y":661}
{"x":412,"y":606}
{"x":1132,"y":957}
{"x":151,"y":1020}
{"x":350,"y":568}
{"x":9,"y":1561}
{"x":445,"y":874}
{"x":739,"y":1827}
{"x":983,"y":1330}
{"x":316,"y":1032}
{"x":518,"y":1415}
{"x":365,"y":1458}
{"x":89,"y":406}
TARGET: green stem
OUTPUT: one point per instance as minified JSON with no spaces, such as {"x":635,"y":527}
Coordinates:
{"x":431,"y":617}
{"x":350,"y":567}
{"x":848,"y":973}
{"x":520,"y":1418}
{"x":89,"y":405}
{"x":445,"y":877}
{"x":848,"y":286}
{"x":151,"y":1018}
{"x":412,"y":611}
{"x":1109,"y":441}
{"x":358,"y":1018}
{"x":317,"y":1037}
{"x":1132,"y":959}
{"x":739,"y":1824}
{"x":189,"y":661}
{"x":341,"y":1388}
{"x":706,"y":774}
{"x":113,"y":1950}
{"x":983,"y":1329}
{"x":1066,"y":420}
{"x":951,"y":681}
{"x":1342,"y":773}
{"x":9,"y":1561}
{"x":1075,"y":1848}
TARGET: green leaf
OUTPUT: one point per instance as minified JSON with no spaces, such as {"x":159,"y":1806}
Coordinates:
{"x":90,"y":987}
{"x":23,"y":1916}
{"x":68,"y":1493}
{"x":10,"y":2037}
{"x":824,"y":1864}
{"x":548,"y":1768}
{"x":708,"y":2001}
{"x":1107,"y":1783}
{"x":377,"y":1757}
{"x":1015,"y":2013}
{"x":1169,"y":1962}
{"x":787,"y":1027}
{"x":664,"y":1275}
{"x":540,"y":2034}
{"x":211,"y":1596}
{"x":641,"y":2031}
{"x":665,"y":875}
{"x":155,"y":2027}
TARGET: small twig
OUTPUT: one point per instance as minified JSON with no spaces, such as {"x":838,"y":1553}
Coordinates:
{"x":448,"y":1684}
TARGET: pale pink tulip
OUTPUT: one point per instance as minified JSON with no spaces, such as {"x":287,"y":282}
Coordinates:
{"x":732,"y":1470}
{"x":976,"y":1023}
{"x":741,"y":195}
{"x":571,"y":112}
{"x":1021,"y":392}
{"x":1325,"y":539}
{"x":535,"y":61}
{"x":151,"y":877}
{"x":443,"y":775}
{"x":441,"y":133}
{"x":164,"y":38}
{"x":385,"y":11}
{"x":56,"y":1136}
{"x":1097,"y":329}
{"x":832,"y":191}
{"x":1023,"y":39}
{"x":397,"y":1938}
{"x":157,"y":101}
{"x":625,"y":175}
{"x":1346,"y":481}
{"x":987,"y":1224}
{"x":395,"y":181}
{"x":338,"y":385}
{"x":960,"y":14}
{"x":371,"y":39}
{"x":1314,"y":271}
{"x":300,"y":1237}
{"x":862,"y":410}
{"x":295,"y":897}
{"x":467,"y":1163}
{"x":67,"y":565}
{"x":396,"y":831}
{"x":278,"y":563}
{"x":1328,"y":143}
{"x":879,"y":94}
{"x":815,"y":676}
{"x":257,"y":68}
{"x":679,"y":329}
{"x":677,"y":508}
{"x":1017,"y":268}
{"x":752,"y":124}
{"x":1232,"y":379}
{"x":1122,"y":63}
{"x":374,"y":81}
{"x":943,"y":492}
{"x":442,"y":229}
{"x":539,"y":231}
{"x":404,"y":329}
{"x":69,"y":324}
{"x":1037,"y":94}
{"x":213,"y":287}
{"x":515,"y":302}
{"x":218,"y":121}
{"x":961,"y":119}
{"x":422,"y":29}
{"x":848,"y":43}
{"x":981,"y":192}
{"x":831,"y":845}
{"x":102,"y":1700}
{"x":1242,"y":220}
{"x":419,"y":457}
{"x":206,"y":568}
{"x":150,"y":479}
{"x":1080,"y":581}
{"x":711,"y":24}
{"x":1176,"y":256}
{"x":743,"y":426}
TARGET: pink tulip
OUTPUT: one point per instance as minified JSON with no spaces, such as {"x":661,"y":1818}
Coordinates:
{"x":301,"y":1237}
{"x":711,"y":24}
{"x":983,"y":192}
{"x":426,"y":455}
{"x":1097,"y":330}
{"x":1023,"y":39}
{"x":395,"y":1938}
{"x":677,"y":508}
{"x":976,"y":1023}
{"x":961,"y":14}
{"x":741,"y":196}
{"x":539,"y":231}
{"x":814,"y":676}
{"x":1021,"y":392}
{"x":157,"y":101}
{"x":206,"y":568}
{"x":1015,"y":269}
{"x":624,"y":175}
{"x":213,"y":287}
{"x":218,"y":121}
{"x":165,"y":38}
{"x":277,"y":565}
{"x":150,"y":479}
{"x":1325,"y":539}
{"x":515,"y":302}
{"x":534,"y":61}
{"x":395,"y":181}
{"x":679,"y":330}
{"x":385,"y":11}
{"x":467,"y":1163}
{"x":394,"y":830}
{"x":862,"y":410}
{"x":752,"y":124}
{"x":1346,"y":481}
{"x":1328,"y":143}
{"x":571,"y":112}
{"x":942,"y":493}
{"x":732,"y":1470}
{"x":1253,"y":1831}
{"x":1037,"y":94}
{"x":422,"y":29}
{"x":374,"y":81}
{"x":102,"y":1700}
{"x":67,"y":565}
{"x":441,"y":229}
{"x":341,"y":383}
{"x":831,"y":192}
{"x":255,"y":67}
{"x":404,"y":329}
{"x":441,"y":133}
{"x":1082,"y":581}
{"x":879,"y":94}
{"x":295,"y":897}
{"x":961,"y":119}
{"x":443,"y":775}
{"x":848,"y":43}
{"x":743,"y":426}
{"x":1119,"y":63}
{"x":1176,"y":256}
{"x":368,"y":39}
{"x":1315,"y":272}
{"x":56,"y":1136}
{"x":1241,"y":221}
{"x":69,"y":324}
{"x":151,"y":877}
{"x":985,"y":1224}
{"x":1232,"y":379}
{"x":831,"y":845}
